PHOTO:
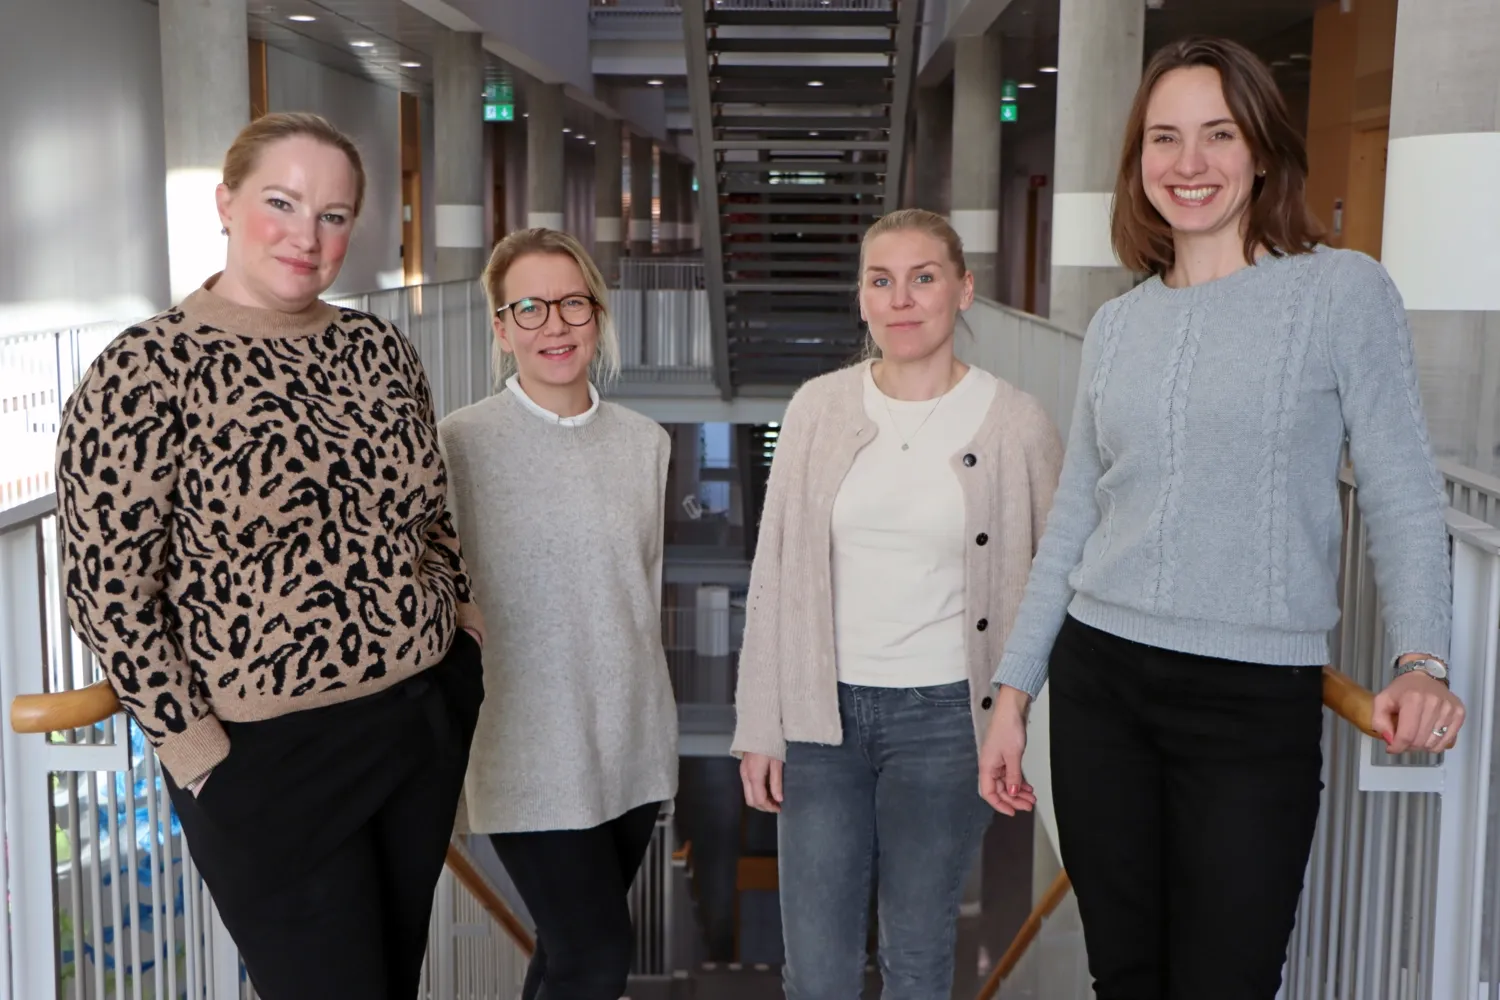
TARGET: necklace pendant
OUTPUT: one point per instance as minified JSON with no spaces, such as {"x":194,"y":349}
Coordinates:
{"x":906,"y":447}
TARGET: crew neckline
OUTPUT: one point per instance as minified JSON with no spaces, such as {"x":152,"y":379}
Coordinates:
{"x":1264,"y":265}
{"x":209,"y":307}
{"x":537,"y":409}
{"x":909,"y":404}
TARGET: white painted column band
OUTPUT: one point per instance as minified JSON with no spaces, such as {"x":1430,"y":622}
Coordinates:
{"x":544,"y":220}
{"x":640,"y":230}
{"x":606,"y":229}
{"x":459,"y":227}
{"x":1441,"y":236}
{"x":1081,"y":229}
{"x":979,"y":228}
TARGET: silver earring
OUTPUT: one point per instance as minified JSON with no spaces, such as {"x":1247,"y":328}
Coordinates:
{"x":223,"y":231}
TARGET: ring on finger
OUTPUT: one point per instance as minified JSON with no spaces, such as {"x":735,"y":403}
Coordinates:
{"x":1440,"y":732}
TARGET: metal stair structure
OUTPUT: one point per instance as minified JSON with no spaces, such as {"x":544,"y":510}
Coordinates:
{"x":800,"y":111}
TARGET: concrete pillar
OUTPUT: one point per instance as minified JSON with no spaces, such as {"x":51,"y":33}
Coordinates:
{"x":458,"y":124}
{"x":640,"y":195}
{"x":1099,"y":58}
{"x":206,"y":101}
{"x":671,"y":202}
{"x":545,"y":167}
{"x":608,"y":199}
{"x":976,"y":174}
{"x":934,"y":143}
{"x":691,"y":237}
{"x":1441,"y":238}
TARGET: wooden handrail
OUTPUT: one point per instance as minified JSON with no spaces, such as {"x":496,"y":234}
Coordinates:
{"x":1349,"y":700}
{"x":468,"y":874}
{"x":46,"y":713}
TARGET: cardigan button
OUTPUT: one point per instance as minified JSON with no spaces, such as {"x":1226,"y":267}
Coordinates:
{"x":983,"y":539}
{"x":987,"y":703}
{"x":983,"y":624}
{"x":970,"y":460}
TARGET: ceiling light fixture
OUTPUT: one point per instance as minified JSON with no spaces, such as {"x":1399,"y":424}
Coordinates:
{"x":654,"y":83}
{"x":1047,"y":69}
{"x":408,"y":64}
{"x":1028,"y":85}
{"x":815,"y":83}
{"x":363,"y":45}
{"x":1300,"y":55}
{"x":566,"y":129}
{"x":592,"y":143}
{"x":812,"y":133}
{"x":302,"y":17}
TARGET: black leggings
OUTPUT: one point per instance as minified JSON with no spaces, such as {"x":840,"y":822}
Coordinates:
{"x":323,"y":833}
{"x":1186,"y":791}
{"x":575,"y":884}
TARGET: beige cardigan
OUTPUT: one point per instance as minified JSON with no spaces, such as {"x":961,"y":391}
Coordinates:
{"x":788,"y":684}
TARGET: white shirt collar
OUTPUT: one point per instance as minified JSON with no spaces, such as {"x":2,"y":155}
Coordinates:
{"x":514,"y":385}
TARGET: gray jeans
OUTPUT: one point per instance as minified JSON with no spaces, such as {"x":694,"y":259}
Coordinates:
{"x":897,"y":801}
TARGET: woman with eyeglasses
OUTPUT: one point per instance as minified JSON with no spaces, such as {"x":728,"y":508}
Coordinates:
{"x":559,"y":499}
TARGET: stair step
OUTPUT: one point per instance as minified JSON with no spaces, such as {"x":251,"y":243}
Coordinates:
{"x":799,"y":74}
{"x":800,"y":208}
{"x":791,"y":228}
{"x":827,"y":123}
{"x":779,"y":287}
{"x":745,"y":249}
{"x":739,"y":93}
{"x":803,"y":18}
{"x":742,"y":44}
{"x":808,"y":166}
{"x":811,"y":145}
{"x":792,"y":190}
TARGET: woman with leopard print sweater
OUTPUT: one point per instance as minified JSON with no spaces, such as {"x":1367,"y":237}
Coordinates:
{"x":257,"y":548}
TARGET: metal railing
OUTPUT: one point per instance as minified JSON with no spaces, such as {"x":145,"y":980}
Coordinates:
{"x":703,"y":653}
{"x":661,"y":313}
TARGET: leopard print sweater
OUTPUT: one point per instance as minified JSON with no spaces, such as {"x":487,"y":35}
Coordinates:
{"x":252,"y":508}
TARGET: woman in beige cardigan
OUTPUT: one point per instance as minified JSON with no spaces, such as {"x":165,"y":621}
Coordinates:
{"x":906,"y":499}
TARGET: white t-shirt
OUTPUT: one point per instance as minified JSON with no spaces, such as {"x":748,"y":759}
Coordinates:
{"x":899,"y":543}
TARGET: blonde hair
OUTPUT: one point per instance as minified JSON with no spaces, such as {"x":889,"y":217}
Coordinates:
{"x":267,"y":130}
{"x":903,"y":220}
{"x":917,"y":220}
{"x":524,"y":243}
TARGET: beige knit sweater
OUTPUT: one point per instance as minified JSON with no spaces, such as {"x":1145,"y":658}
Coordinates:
{"x":788,"y":684}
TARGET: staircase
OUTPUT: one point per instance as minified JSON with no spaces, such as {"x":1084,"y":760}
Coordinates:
{"x":800,"y":108}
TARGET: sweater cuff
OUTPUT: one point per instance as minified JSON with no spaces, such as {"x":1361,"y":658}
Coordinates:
{"x":1430,"y":637}
{"x":195,"y":751}
{"x":763,"y":743}
{"x":1022,"y":673}
{"x":468,"y":615}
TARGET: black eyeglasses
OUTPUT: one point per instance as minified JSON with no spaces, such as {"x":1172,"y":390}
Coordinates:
{"x":531,"y":314}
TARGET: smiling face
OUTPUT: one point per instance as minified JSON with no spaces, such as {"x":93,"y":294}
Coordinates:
{"x":556,"y":353}
{"x":910,"y":294}
{"x":289,"y":223}
{"x":1197,"y":169}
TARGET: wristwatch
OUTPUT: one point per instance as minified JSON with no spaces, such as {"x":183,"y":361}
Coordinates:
{"x":1436,"y":669}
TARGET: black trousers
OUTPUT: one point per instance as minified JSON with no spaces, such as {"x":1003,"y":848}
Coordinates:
{"x":575,"y":884}
{"x":1186,"y":791}
{"x":323,"y":833}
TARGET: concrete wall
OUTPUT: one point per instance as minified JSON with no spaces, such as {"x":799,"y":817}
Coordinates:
{"x":82,"y":196}
{"x":548,"y":40}
{"x":429,"y":188}
{"x":371,"y":114}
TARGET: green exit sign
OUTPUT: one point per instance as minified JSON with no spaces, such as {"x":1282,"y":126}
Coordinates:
{"x":1010,"y":112}
{"x":498,"y":93}
{"x":499,"y":112}
{"x":1009,"y":91}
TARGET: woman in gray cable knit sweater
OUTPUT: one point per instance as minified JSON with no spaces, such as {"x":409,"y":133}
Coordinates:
{"x":1181,"y":598}
{"x":561,"y":498}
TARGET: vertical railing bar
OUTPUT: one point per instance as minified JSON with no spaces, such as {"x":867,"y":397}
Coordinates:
{"x":153,"y":812}
{"x":169,"y":924}
{"x":89,"y":812}
{"x":75,"y":881}
{"x":116,"y":909}
{"x":132,"y":852}
{"x":1399,"y":876}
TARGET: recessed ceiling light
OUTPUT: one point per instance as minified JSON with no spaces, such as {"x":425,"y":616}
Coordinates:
{"x":1300,"y":55}
{"x":566,"y":129}
{"x":815,"y":83}
{"x":1027,"y":85}
{"x":301,"y":17}
{"x":592,"y":143}
{"x":1047,"y":69}
{"x":1280,"y":63}
{"x":363,"y":45}
{"x":654,"y":83}
{"x":812,"y":133}
{"x":408,"y":64}
{"x":525,"y":114}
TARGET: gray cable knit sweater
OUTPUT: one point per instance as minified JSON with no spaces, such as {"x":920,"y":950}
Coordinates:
{"x":1199,"y":504}
{"x":578,"y":724}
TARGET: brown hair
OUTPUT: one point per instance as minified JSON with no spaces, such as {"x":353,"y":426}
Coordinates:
{"x":267,"y":130}
{"x":921,"y":221}
{"x":524,"y":243}
{"x":1278,"y":216}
